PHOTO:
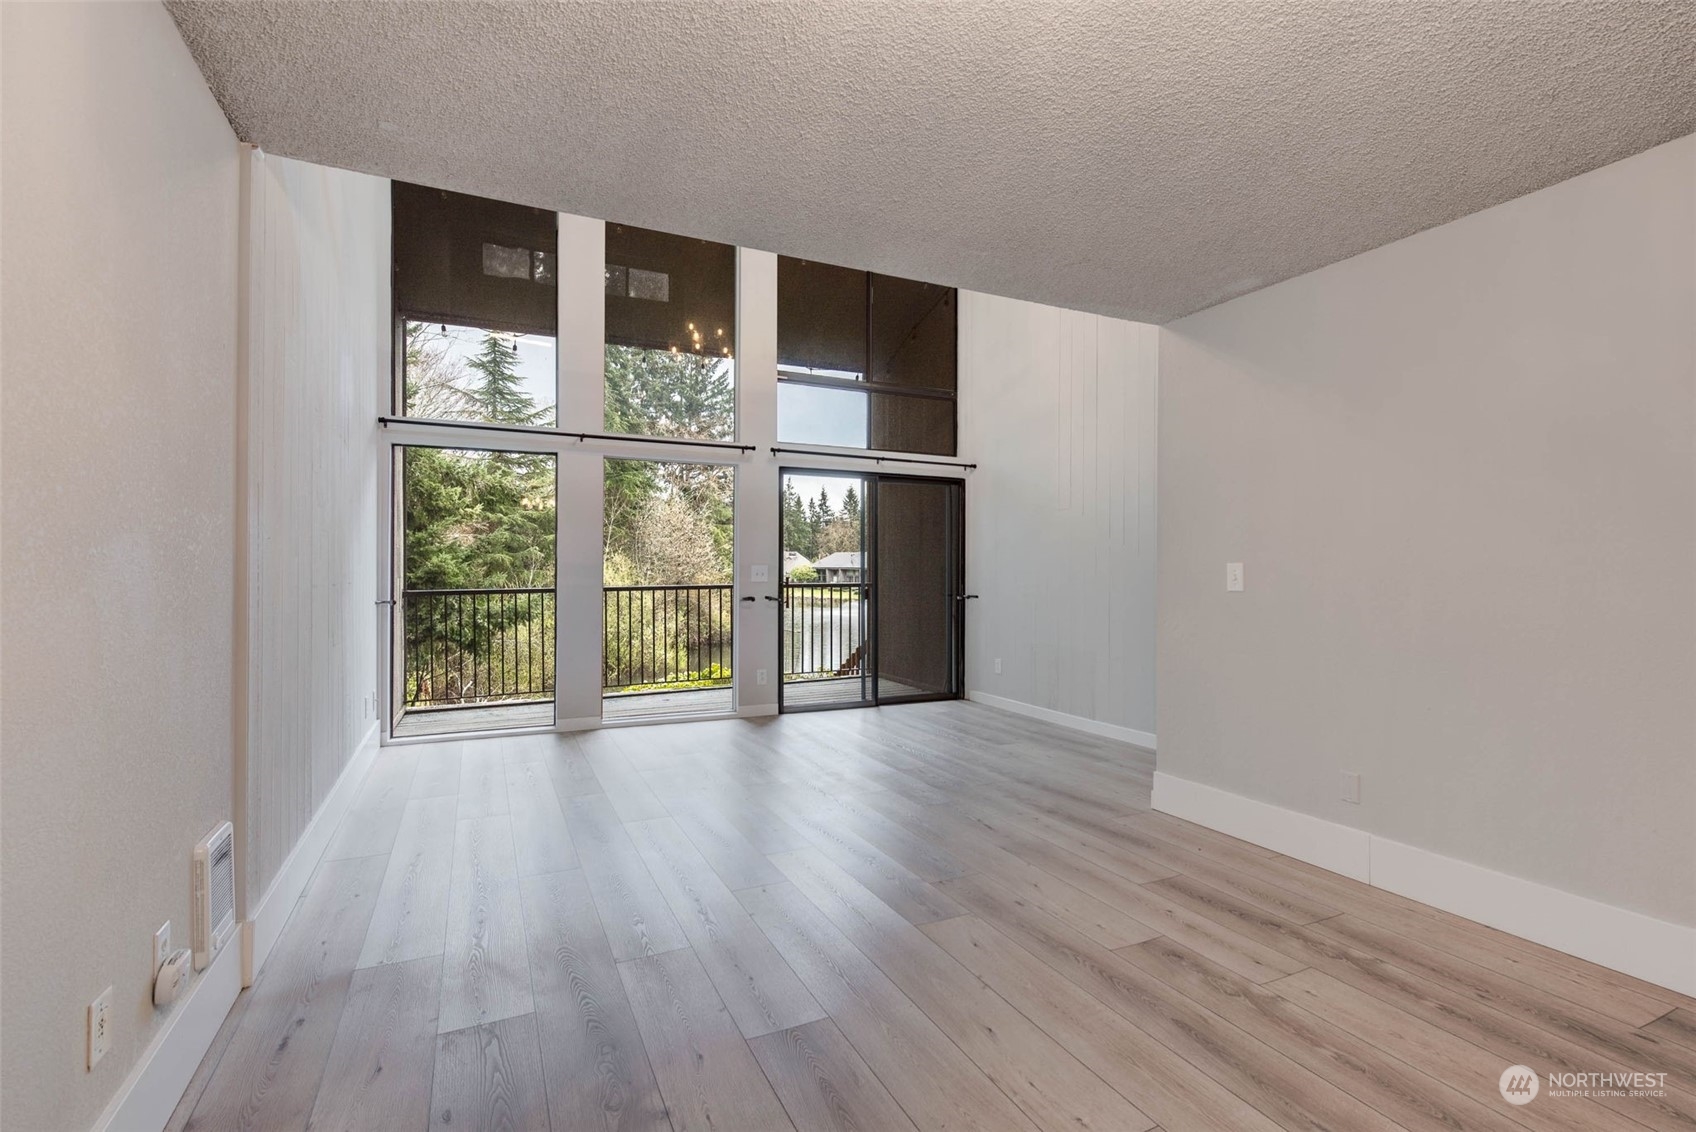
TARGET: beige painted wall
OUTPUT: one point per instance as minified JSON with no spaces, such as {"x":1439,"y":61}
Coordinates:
{"x":1461,"y":473}
{"x":317,"y":350}
{"x":1058,"y":408}
{"x":117,"y":345}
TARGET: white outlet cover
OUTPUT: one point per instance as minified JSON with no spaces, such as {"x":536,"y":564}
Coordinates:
{"x":99,"y":1027}
{"x":1233,"y":577}
{"x":758,"y":573}
{"x":161,"y":946}
{"x":998,"y":666}
{"x":759,"y":676}
{"x":1351,"y":787}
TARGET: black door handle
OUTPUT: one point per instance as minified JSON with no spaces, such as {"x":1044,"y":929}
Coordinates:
{"x":768,"y":598}
{"x":965,"y":597}
{"x":747,"y":599}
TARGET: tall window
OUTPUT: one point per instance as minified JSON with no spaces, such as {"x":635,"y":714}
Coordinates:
{"x":865,"y":360}
{"x":671,"y":335}
{"x":476,"y":300}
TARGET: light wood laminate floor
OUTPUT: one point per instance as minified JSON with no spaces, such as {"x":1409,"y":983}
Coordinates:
{"x":933,"y":916}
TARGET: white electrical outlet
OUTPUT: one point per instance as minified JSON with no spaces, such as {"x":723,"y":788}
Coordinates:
{"x":99,"y":1027}
{"x":759,"y":676}
{"x":161,"y":946}
{"x":998,"y":666}
{"x":1351,"y":787}
{"x":758,"y":574}
{"x":1233,"y":577}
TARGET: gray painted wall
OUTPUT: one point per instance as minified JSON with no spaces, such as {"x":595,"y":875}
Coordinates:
{"x":119,"y":331}
{"x":1058,"y":408}
{"x":317,"y":349}
{"x":1461,"y":473}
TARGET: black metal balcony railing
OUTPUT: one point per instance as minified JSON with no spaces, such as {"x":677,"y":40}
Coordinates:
{"x":824,"y":628}
{"x":486,"y":646}
{"x":478,"y":646}
{"x":666,"y":637}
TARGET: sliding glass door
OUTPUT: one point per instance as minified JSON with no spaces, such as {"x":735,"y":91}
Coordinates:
{"x":872,"y":589}
{"x":918,"y":587}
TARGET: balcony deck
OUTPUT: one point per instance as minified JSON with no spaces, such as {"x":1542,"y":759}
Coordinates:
{"x":627,"y":706}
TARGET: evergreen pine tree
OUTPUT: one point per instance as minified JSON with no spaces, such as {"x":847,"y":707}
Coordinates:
{"x":497,"y":392}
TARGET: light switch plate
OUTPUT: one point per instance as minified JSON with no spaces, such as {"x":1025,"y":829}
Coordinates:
{"x":1234,"y":577}
{"x":759,"y":573}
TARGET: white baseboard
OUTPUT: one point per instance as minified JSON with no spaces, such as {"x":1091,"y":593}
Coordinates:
{"x":1075,"y":722}
{"x":150,"y":1093}
{"x":1630,"y":942}
{"x":259,"y":932}
{"x":755,"y":711}
{"x":1339,"y":848}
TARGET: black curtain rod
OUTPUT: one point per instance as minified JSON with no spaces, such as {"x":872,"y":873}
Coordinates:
{"x":877,"y":459}
{"x":515,"y":430}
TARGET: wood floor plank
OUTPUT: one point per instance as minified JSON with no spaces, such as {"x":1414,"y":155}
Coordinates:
{"x":411,"y":917}
{"x":757,"y":986}
{"x":486,"y":968}
{"x":1675,"y":1026}
{"x":1102,"y":922}
{"x":1052,"y":1087}
{"x":438,"y":769}
{"x":915,"y":899}
{"x":1533,"y":1004}
{"x":824,"y":1084}
{"x":540,"y":840}
{"x":482,"y":780}
{"x":1503,"y":1033}
{"x":735,"y":860}
{"x":373,"y":819}
{"x":1610,"y":992}
{"x":573,"y":776}
{"x":637,"y":919}
{"x":706,"y":1072}
{"x":1397,"y":1088}
{"x":1282,"y":1089}
{"x":631,"y":797}
{"x":1160,"y":1082}
{"x":1446,"y":1057}
{"x":489,"y":1077}
{"x":384,"y":1056}
{"x":937,"y":1085}
{"x":597,"y":1071}
{"x":269,"y":1071}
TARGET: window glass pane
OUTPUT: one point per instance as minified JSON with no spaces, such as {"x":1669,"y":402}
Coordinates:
{"x":476,"y":292}
{"x":670,"y":335}
{"x":913,"y":337}
{"x":821,"y":318}
{"x":811,"y":414}
{"x":463,"y":373}
{"x":668,"y":604}
{"x":475,"y":611}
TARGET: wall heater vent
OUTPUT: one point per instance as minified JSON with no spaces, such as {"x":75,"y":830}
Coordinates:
{"x":214,"y":894}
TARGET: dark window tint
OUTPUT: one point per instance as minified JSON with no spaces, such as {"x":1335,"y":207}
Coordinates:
{"x":467,"y":261}
{"x":821,"y":318}
{"x":865,"y":360}
{"x":670,"y":335}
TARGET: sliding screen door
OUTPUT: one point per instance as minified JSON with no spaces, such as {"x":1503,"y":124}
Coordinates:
{"x":918,"y":585}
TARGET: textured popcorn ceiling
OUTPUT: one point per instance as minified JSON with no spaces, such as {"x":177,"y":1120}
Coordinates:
{"x":1137,"y":159}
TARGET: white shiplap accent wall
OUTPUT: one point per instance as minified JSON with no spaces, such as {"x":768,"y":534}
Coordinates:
{"x":316,"y":347}
{"x":1058,"y":409}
